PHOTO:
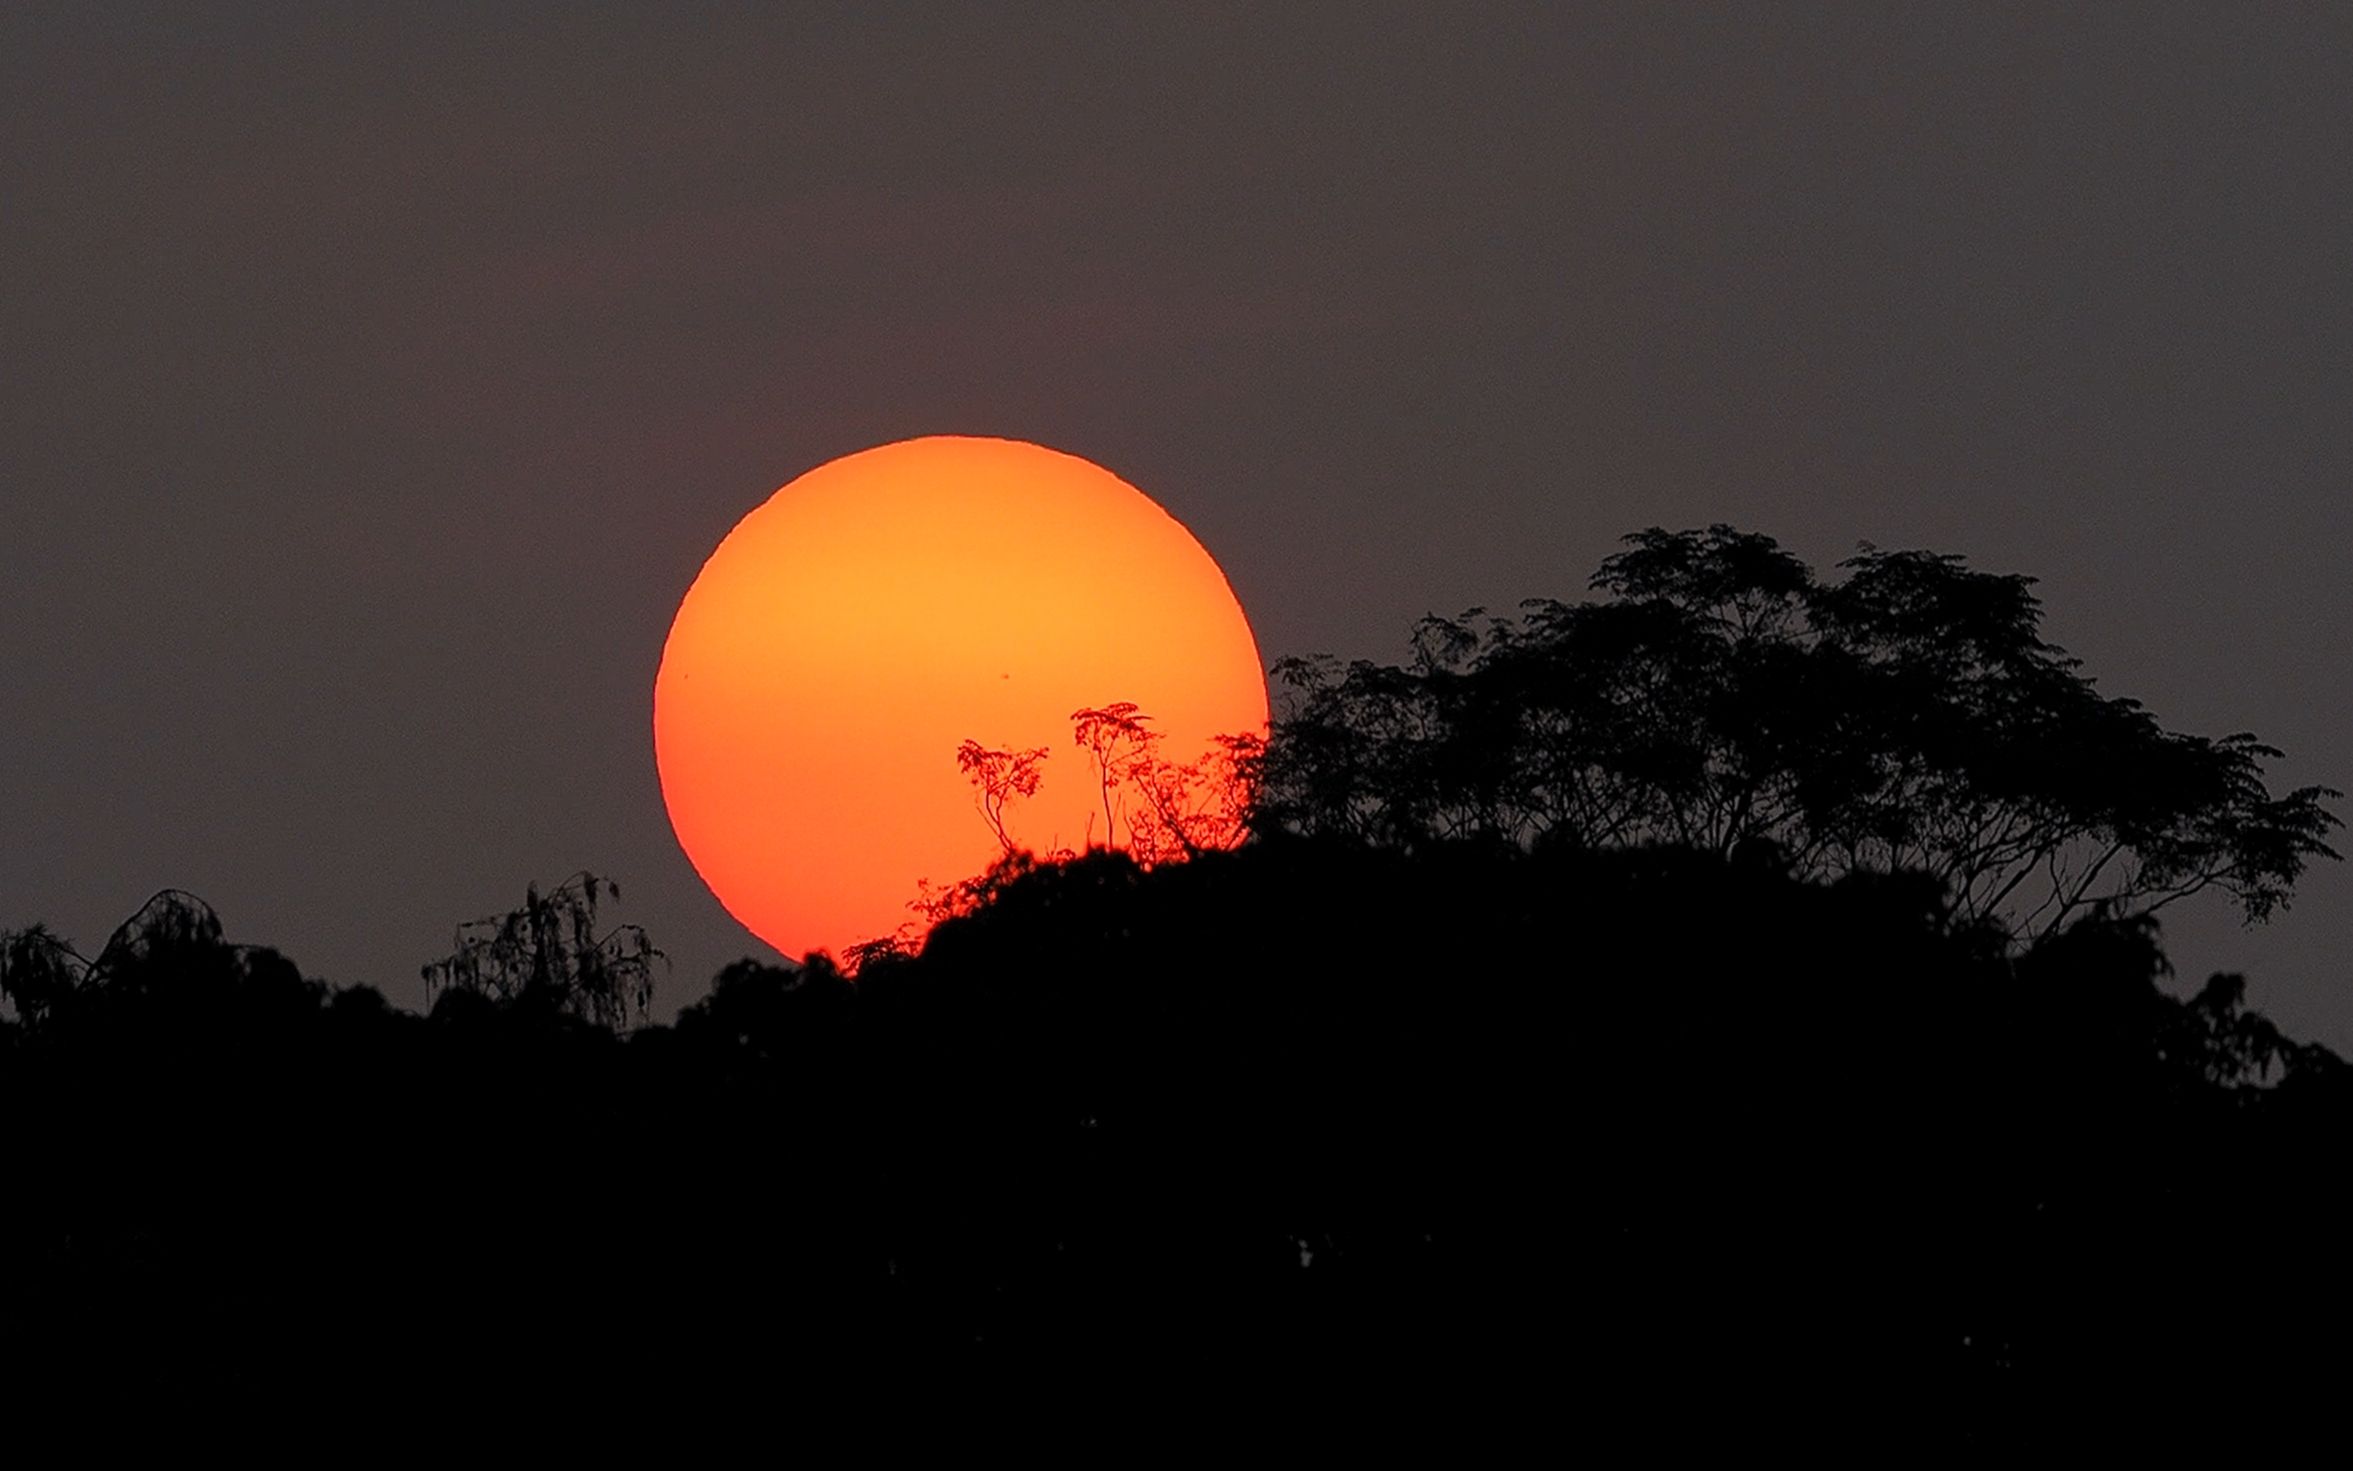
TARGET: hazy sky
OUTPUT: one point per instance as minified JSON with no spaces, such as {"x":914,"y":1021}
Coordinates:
{"x":372,"y":387}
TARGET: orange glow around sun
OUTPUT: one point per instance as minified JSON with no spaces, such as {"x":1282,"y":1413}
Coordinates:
{"x":850,"y":633}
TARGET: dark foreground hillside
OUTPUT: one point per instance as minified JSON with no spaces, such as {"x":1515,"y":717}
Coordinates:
{"x":1640,"y":1143}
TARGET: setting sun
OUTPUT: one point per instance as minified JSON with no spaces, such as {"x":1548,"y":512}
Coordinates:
{"x":853,"y":631}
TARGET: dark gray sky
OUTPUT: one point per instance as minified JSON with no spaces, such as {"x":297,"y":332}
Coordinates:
{"x":372,"y":387}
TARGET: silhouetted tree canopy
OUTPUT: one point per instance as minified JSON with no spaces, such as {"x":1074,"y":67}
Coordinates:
{"x":1909,"y":716}
{"x":166,"y":962}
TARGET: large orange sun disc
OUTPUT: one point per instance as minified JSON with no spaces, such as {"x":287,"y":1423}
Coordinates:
{"x":850,"y":633}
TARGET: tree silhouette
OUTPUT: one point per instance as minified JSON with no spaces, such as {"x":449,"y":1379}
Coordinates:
{"x":1172,"y":809}
{"x":1115,"y":738}
{"x":169,"y":954}
{"x":39,"y":974}
{"x":997,"y":778}
{"x":936,"y":903}
{"x":1189,"y":808}
{"x":548,"y":953}
{"x":1909,"y":716}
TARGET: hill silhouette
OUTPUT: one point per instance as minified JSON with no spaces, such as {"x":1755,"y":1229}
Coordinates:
{"x":1334,"y":1120}
{"x":1377,"y":1128}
